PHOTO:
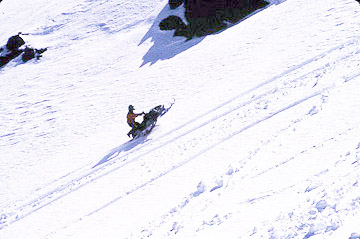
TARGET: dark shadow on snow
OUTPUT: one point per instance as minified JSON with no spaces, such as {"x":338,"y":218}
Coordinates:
{"x":122,"y":148}
{"x":165,"y":45}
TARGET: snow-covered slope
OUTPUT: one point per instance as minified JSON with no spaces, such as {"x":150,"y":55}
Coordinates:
{"x":263,"y":141}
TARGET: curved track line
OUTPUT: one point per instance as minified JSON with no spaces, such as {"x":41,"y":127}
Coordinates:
{"x":61,"y":189}
{"x":207,"y":149}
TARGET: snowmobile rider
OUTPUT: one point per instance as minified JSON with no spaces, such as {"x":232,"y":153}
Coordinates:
{"x":131,"y":119}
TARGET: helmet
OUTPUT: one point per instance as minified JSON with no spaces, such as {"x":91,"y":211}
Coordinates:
{"x":131,"y":108}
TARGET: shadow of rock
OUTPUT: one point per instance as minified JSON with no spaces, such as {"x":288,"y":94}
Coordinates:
{"x":165,"y":45}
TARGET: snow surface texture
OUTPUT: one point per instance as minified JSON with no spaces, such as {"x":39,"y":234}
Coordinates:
{"x":263,"y":141}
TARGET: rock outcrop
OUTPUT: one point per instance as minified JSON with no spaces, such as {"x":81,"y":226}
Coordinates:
{"x":175,"y":3}
{"x":13,"y":49}
{"x":208,"y":16}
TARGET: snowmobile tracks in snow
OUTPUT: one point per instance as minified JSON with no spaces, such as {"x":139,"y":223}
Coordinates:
{"x":314,"y":78}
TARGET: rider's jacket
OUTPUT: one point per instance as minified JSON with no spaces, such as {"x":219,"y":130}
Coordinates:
{"x":131,"y":119}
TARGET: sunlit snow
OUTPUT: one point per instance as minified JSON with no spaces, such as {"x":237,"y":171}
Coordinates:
{"x":262,"y":142}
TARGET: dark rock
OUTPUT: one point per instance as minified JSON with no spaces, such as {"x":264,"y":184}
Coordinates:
{"x":171,"y":23}
{"x":12,"y":50}
{"x":174,"y":23}
{"x":42,"y":50}
{"x":205,"y":25}
{"x":208,"y":16}
{"x":4,"y":60}
{"x":14,"y":42}
{"x":11,"y":55}
{"x":183,"y":32}
{"x":208,"y":8}
{"x":176,"y":3}
{"x":30,"y":53}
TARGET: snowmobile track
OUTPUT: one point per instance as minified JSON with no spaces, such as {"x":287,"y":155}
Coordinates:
{"x":242,"y":103}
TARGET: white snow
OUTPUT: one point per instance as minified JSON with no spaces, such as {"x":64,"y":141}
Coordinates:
{"x":262,"y":142}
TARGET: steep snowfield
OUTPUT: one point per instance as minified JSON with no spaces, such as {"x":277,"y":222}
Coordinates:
{"x":262,"y":142}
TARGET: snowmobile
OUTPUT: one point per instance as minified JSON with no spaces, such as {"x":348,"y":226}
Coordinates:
{"x":149,"y":121}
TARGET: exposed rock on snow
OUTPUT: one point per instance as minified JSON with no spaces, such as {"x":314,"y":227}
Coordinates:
{"x":205,"y":17}
{"x":174,"y":23}
{"x":175,"y":3}
{"x":13,"y":49}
